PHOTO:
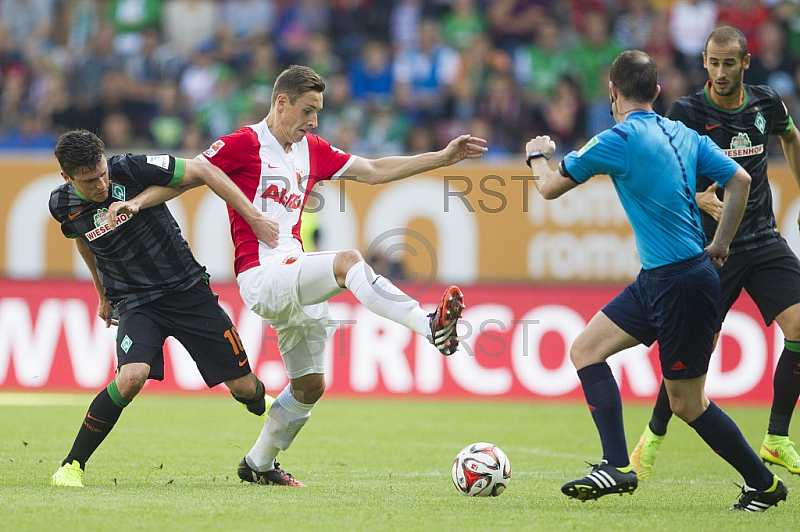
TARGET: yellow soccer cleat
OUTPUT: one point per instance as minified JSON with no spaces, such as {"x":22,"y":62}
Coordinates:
{"x":780,"y":451}
{"x":68,"y":475}
{"x":644,"y":455}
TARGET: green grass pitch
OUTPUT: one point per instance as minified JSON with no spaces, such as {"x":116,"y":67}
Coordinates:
{"x":170,"y":464}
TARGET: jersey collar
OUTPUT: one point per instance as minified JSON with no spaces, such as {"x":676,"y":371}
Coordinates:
{"x":707,"y":91}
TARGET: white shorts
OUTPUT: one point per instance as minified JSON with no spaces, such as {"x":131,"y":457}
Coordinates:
{"x":272,"y":290}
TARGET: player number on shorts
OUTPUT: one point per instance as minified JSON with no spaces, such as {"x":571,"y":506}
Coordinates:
{"x":233,"y":338}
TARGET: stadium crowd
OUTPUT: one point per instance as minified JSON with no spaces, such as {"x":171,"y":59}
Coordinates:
{"x":402,"y":76}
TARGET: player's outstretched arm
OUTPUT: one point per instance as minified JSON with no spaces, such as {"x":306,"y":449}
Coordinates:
{"x":790,"y":142}
{"x":387,"y":169}
{"x":550,"y":183}
{"x":737,"y":189}
{"x":103,"y":306}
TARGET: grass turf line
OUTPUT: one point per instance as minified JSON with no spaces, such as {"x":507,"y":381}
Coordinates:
{"x":170,"y":464}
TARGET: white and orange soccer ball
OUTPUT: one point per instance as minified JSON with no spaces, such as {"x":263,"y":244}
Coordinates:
{"x":481,"y":470}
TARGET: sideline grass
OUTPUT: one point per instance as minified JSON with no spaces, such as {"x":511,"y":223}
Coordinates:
{"x":170,"y":464}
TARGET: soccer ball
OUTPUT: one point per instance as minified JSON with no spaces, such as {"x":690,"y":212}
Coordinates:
{"x":481,"y":470}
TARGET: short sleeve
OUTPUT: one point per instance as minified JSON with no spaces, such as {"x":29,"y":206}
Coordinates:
{"x":782,"y":122}
{"x":231,"y":152}
{"x":325,"y":160}
{"x":605,"y":153}
{"x":146,"y":170}
{"x":712,"y":161}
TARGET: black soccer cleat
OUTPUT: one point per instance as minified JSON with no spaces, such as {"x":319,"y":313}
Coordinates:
{"x":758,"y":501}
{"x":604,"y":479}
{"x":273,"y":477}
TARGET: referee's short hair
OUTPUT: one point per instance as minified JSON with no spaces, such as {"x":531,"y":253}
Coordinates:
{"x":295,"y":81}
{"x":725,"y":35}
{"x":635,"y":75}
{"x":78,"y":149}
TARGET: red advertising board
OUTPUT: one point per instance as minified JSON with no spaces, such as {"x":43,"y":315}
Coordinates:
{"x":514,"y":344}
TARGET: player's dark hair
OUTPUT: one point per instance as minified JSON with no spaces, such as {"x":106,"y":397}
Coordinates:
{"x":725,"y":35}
{"x":77,"y":149}
{"x":635,"y":75}
{"x":296,"y":81}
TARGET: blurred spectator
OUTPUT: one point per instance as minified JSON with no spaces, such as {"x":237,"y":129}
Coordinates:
{"x":598,"y":114}
{"x":29,"y":22}
{"x":539,"y":66}
{"x":773,"y":65}
{"x":341,"y":119}
{"x":32,"y":132}
{"x":690,"y":22}
{"x":424,"y":75}
{"x":659,"y":45}
{"x":248,"y":22}
{"x":385,"y":132}
{"x":503,"y":111}
{"x":297,"y":21}
{"x":422,"y":139}
{"x":260,"y":73}
{"x":221,"y":113}
{"x":319,"y":55}
{"x":198,"y":79}
{"x":513,"y":22}
{"x":370,"y":73}
{"x":78,"y":22}
{"x":405,"y":20}
{"x":565,"y":115}
{"x":188,"y":24}
{"x":463,"y":24}
{"x":592,"y":55}
{"x":166,"y":128}
{"x":117,"y":133}
{"x":746,"y":16}
{"x":156,"y":62}
{"x":674,"y":84}
{"x":130,"y":18}
{"x":354,"y":22}
{"x":477,"y":64}
{"x":633,"y":27}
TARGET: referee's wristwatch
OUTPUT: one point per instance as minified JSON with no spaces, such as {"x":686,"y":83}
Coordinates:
{"x":533,"y":155}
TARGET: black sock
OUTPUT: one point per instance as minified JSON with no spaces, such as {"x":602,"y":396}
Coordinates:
{"x":103,"y":413}
{"x":723,"y":436}
{"x":662,"y":412}
{"x":602,"y":395}
{"x":785,"y":389}
{"x":256,"y":404}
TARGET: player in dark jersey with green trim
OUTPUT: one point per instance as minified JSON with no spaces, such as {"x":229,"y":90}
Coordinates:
{"x":740,"y":119}
{"x":147,"y":280}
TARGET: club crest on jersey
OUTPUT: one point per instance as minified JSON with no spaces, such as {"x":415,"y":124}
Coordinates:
{"x":210,"y":152}
{"x":760,"y":122}
{"x":101,"y":226}
{"x":741,"y":146}
{"x":291,"y":259}
{"x":118,"y":191}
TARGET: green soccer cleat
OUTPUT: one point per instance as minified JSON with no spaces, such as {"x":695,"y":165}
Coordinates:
{"x":644,"y":455}
{"x":780,"y":451}
{"x":603,"y":480}
{"x":68,"y":475}
{"x":759,"y":501}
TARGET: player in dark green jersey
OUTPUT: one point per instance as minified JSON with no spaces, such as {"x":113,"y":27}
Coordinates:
{"x":147,"y":280}
{"x":740,"y":119}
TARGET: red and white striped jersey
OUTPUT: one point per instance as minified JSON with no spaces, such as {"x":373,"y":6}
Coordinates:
{"x":276,"y":182}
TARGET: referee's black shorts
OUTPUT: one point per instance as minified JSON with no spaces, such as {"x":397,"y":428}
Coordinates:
{"x":676,"y":305}
{"x":770,"y":274}
{"x":194,"y":317}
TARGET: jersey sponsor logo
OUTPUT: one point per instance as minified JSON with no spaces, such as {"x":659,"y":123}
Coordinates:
{"x":290,"y":201}
{"x":291,"y":259}
{"x":102,"y":226}
{"x":742,"y":147}
{"x":760,"y":122}
{"x":586,"y":147}
{"x":118,"y":191}
{"x":210,"y":152}
{"x":161,"y":161}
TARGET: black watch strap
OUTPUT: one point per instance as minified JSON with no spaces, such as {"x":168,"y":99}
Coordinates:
{"x":533,"y":155}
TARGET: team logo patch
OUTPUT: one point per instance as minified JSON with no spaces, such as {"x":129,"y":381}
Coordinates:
{"x":741,"y":146}
{"x":586,"y":147}
{"x":210,"y":152}
{"x":126,"y":343}
{"x":291,"y":259}
{"x":118,"y":191}
{"x":161,"y":161}
{"x":760,"y":122}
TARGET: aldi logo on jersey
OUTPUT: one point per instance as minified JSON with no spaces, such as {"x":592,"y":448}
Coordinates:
{"x":742,"y":147}
{"x":210,"y":152}
{"x":101,"y":225}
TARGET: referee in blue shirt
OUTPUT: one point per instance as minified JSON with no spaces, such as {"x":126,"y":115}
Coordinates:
{"x":653,"y":163}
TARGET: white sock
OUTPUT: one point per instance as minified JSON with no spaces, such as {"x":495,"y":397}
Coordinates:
{"x":285,"y":418}
{"x":384,"y":299}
